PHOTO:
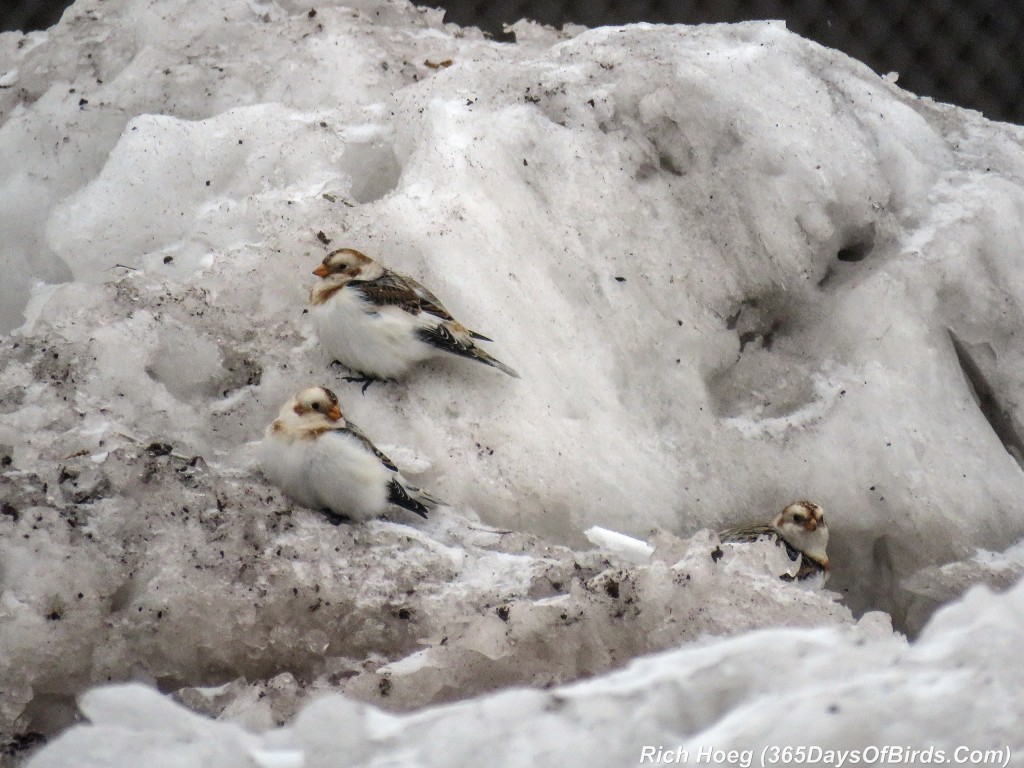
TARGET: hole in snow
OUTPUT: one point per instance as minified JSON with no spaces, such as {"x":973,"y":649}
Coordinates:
{"x":762,"y":385}
{"x":763,"y":382}
{"x":373,"y":168}
{"x":858,"y":246}
{"x":853,"y":253}
{"x":756,"y":323}
{"x":197,"y":367}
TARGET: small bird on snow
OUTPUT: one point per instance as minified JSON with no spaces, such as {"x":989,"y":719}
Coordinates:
{"x":800,"y":527}
{"x":324,"y":462}
{"x":379,"y":323}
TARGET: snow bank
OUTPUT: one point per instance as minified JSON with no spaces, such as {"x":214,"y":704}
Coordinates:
{"x":734,"y":269}
{"x":862,"y":689}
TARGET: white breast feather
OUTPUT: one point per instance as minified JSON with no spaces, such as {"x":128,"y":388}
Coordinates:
{"x":334,"y":471}
{"x":382,"y":343}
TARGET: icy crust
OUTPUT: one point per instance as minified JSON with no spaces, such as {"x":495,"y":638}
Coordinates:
{"x":215,"y":579}
{"x":859,"y":688}
{"x":733,"y":268}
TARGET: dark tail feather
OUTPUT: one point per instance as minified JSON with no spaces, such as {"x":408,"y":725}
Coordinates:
{"x":479,"y":336}
{"x":486,"y":359}
{"x":441,"y":337}
{"x":429,"y":499}
{"x":398,"y":495}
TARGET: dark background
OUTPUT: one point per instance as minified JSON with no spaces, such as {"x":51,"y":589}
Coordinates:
{"x":966,"y":52}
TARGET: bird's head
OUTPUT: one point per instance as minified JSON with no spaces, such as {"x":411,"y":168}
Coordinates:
{"x":348,"y":263}
{"x":316,"y":404}
{"x":802,"y":524}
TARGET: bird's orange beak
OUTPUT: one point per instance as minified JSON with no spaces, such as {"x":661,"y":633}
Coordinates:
{"x":812,"y":525}
{"x":334,"y":414}
{"x":320,"y":271}
{"x":826,"y":566}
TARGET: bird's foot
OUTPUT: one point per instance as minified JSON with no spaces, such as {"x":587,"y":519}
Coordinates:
{"x":364,"y":379}
{"x":334,"y":518}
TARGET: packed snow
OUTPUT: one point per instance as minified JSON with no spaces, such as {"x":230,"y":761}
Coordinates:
{"x":837,"y":692}
{"x":733,"y":268}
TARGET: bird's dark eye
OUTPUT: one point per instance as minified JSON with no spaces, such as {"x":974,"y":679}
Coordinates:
{"x":316,"y":406}
{"x":798,"y":518}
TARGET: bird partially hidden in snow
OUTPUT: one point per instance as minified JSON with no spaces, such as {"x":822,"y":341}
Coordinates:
{"x":326,"y":463}
{"x":800,"y":527}
{"x":379,"y":323}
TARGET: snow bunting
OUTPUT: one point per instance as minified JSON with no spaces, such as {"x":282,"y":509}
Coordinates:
{"x":800,"y":527}
{"x":379,"y":323}
{"x":324,"y":462}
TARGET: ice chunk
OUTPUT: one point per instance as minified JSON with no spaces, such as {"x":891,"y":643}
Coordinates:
{"x":629,"y":549}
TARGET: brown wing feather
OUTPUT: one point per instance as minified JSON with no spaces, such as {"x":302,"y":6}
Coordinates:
{"x":357,"y":433}
{"x":393,"y":289}
{"x":747,"y":533}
